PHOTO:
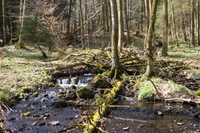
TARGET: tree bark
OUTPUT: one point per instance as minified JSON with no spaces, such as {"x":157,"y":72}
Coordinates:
{"x":20,"y":43}
{"x":121,"y":25}
{"x":82,"y":28}
{"x":5,"y":40}
{"x":192,"y":24}
{"x":69,"y":17}
{"x":149,"y":69}
{"x":103,"y":23}
{"x":165,"y":28}
{"x":198,"y":40}
{"x":126,"y":19}
{"x":174,"y":24}
{"x":114,"y":38}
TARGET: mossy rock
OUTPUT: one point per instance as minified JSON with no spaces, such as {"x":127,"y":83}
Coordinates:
{"x":17,"y":95}
{"x":99,"y":82}
{"x":35,"y":94}
{"x":197,"y":94}
{"x":60,"y":104}
{"x":25,"y":90}
{"x":62,"y":92}
{"x":27,"y":113}
{"x":73,"y":87}
{"x":27,"y":105}
{"x":60,"y":96}
{"x":84,"y":93}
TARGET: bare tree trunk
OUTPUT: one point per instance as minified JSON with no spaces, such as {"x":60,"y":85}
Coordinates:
{"x":174,"y":24}
{"x":126,"y":19}
{"x":114,"y":38}
{"x":20,"y":43}
{"x":147,"y":22}
{"x":121,"y":25}
{"x":192,"y":24}
{"x":103,"y":23}
{"x":5,"y":40}
{"x":183,"y":27}
{"x":150,"y":48}
{"x":141,"y":16}
{"x":82,"y":27}
{"x":198,"y":40}
{"x":165,"y":28}
{"x":69,"y":17}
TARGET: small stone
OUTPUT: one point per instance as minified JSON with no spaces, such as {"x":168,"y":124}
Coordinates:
{"x":36,"y":115}
{"x":42,"y":124}
{"x":180,"y":124}
{"x":159,"y":112}
{"x":27,"y":113}
{"x":54,"y":123}
{"x":34,"y":123}
{"x":125,"y":128}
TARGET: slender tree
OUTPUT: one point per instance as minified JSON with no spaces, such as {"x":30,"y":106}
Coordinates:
{"x":5,"y":40}
{"x":165,"y":28}
{"x":20,"y":43}
{"x":198,"y":40}
{"x":126,"y":19}
{"x":114,"y":39}
{"x":192,"y":24}
{"x":150,"y":48}
{"x":121,"y":25}
{"x":103,"y":23}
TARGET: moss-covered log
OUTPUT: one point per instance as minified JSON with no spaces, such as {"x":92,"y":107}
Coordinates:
{"x":97,"y":116}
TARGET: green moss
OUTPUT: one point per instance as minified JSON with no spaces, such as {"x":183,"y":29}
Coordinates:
{"x":197,"y":93}
{"x":73,"y":87}
{"x":60,"y":104}
{"x":27,"y":113}
{"x":62,"y":92}
{"x":25,"y":90}
{"x":84,"y":93}
{"x":27,"y":105}
{"x":35,"y":94}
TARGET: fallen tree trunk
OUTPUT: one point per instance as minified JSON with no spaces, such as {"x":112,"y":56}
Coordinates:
{"x":92,"y":126}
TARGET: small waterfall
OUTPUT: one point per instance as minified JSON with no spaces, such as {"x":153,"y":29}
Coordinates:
{"x":78,"y":81}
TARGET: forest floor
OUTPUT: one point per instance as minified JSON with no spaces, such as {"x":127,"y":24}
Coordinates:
{"x":22,"y":69}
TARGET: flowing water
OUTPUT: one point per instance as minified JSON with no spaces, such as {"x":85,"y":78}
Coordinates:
{"x":136,"y":117}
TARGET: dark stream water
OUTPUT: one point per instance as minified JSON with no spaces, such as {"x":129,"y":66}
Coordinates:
{"x":136,"y":118}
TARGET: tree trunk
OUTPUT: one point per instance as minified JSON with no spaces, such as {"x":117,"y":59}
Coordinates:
{"x":174,"y":24}
{"x":121,"y":25}
{"x":5,"y":40}
{"x":149,"y":70}
{"x":114,"y":38}
{"x":192,"y":24}
{"x":82,"y":27}
{"x":69,"y":17}
{"x":198,"y":40}
{"x":147,"y":22}
{"x":103,"y":23}
{"x":20,"y":43}
{"x":126,"y":19}
{"x":165,"y":28}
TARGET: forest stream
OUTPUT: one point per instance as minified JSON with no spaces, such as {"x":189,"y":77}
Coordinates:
{"x":39,"y":114}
